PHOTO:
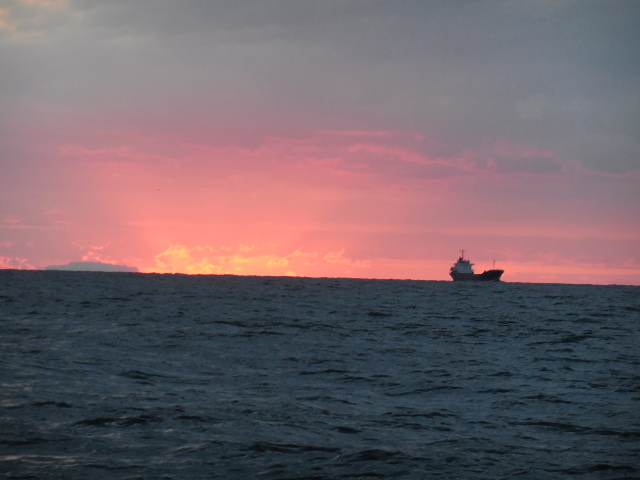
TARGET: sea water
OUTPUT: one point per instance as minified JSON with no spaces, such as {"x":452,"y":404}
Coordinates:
{"x":139,"y":376}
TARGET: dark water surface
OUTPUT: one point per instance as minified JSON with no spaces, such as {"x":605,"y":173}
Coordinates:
{"x":117,"y":375}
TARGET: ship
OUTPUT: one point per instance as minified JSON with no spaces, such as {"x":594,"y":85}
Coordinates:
{"x":462,"y":270}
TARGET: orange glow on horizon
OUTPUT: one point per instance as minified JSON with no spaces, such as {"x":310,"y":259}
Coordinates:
{"x":331,"y":205}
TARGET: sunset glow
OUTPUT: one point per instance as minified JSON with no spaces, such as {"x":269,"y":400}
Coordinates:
{"x":341,"y":139}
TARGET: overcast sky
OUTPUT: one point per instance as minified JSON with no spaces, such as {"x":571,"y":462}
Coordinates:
{"x":342,"y":138}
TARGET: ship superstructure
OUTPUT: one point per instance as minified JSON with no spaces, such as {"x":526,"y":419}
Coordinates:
{"x":462,"y":270}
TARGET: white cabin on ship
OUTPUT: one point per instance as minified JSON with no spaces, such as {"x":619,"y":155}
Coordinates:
{"x":462,"y":270}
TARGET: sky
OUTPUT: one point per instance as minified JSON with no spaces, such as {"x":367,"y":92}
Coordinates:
{"x":323,"y":138}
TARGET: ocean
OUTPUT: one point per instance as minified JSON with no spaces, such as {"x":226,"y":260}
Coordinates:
{"x":145,"y":376}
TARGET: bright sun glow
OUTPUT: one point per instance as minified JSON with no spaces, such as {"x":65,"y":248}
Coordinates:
{"x":225,"y":141}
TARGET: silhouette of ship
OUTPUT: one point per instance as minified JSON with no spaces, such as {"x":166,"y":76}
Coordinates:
{"x":462,"y":271}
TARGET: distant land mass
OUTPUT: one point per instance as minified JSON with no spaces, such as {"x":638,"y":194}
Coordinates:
{"x":92,"y":267}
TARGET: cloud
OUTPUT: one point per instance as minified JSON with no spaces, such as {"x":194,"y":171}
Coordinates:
{"x":5,"y":21}
{"x":228,"y":260}
{"x":198,"y":260}
{"x":13,"y":222}
{"x":339,"y":257}
{"x":462,"y":73}
{"x":29,"y":22}
{"x":15,"y":263}
{"x":317,"y":126}
{"x":388,"y":155}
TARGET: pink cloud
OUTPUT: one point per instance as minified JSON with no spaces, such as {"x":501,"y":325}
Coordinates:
{"x":15,"y":263}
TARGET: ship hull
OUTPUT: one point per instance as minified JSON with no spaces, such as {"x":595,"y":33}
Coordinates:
{"x":486,"y":276}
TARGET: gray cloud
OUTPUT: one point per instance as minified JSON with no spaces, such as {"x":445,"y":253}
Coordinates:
{"x":558,"y":75}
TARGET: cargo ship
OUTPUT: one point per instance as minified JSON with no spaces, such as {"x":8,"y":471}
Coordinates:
{"x":462,"y":270}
